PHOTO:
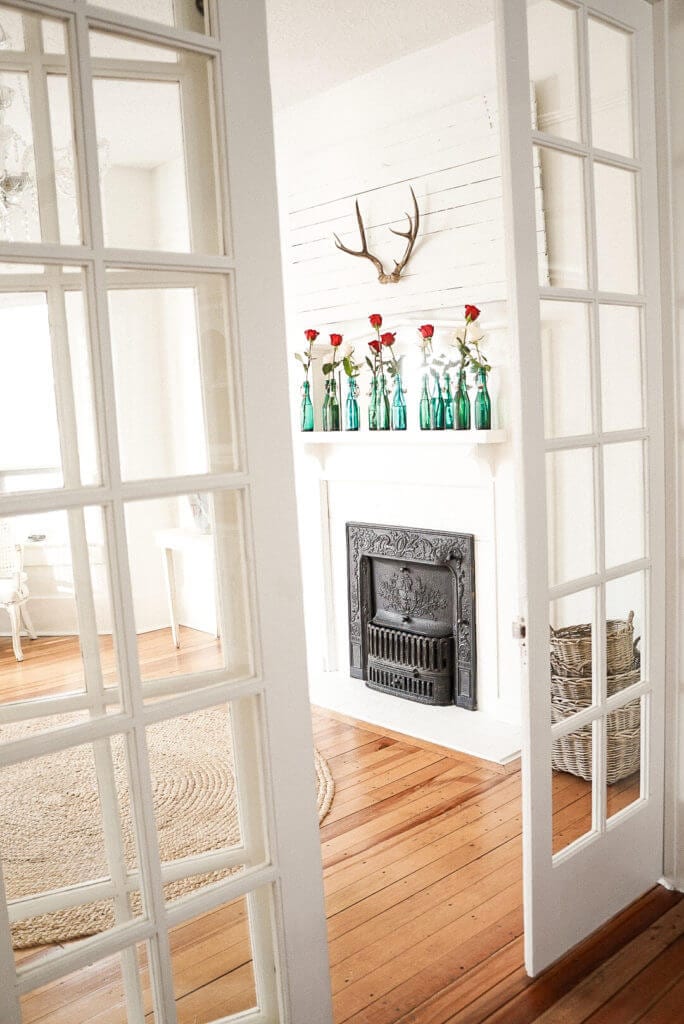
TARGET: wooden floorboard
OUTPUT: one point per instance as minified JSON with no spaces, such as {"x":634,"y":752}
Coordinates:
{"x":422,"y":876}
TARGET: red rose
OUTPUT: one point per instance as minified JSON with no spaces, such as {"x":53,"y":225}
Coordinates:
{"x":335,"y":340}
{"x":375,"y":345}
{"x":471,"y":314}
{"x":388,"y":338}
{"x":310,"y":335}
{"x":427,"y":330}
{"x":375,"y":320}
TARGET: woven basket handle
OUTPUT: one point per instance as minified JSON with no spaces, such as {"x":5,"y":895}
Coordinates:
{"x":630,"y":619}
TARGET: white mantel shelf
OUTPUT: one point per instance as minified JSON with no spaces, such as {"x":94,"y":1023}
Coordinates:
{"x":400,"y":438}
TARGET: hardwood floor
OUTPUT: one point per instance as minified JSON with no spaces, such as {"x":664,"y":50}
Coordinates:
{"x":423,"y":892}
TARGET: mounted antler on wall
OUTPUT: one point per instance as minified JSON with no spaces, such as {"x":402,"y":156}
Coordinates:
{"x":409,"y":235}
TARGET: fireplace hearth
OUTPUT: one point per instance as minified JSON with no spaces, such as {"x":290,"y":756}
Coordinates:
{"x":412,"y":612}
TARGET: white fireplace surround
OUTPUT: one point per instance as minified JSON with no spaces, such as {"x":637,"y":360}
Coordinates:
{"x":441,"y":481}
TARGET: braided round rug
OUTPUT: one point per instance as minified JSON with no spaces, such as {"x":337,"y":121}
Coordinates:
{"x":51,"y":823}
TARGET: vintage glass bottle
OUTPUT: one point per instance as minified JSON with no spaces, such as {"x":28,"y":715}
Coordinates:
{"x":382,"y":404}
{"x":437,"y":406}
{"x":483,"y":403}
{"x":352,"y":418}
{"x":425,"y":407}
{"x":326,"y":407}
{"x":462,"y":403}
{"x":449,"y":404}
{"x":307,"y":413}
{"x":398,"y":405}
{"x":333,"y":408}
{"x":372,"y":405}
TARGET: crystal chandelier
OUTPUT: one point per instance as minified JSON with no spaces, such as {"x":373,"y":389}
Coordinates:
{"x":16,"y":156}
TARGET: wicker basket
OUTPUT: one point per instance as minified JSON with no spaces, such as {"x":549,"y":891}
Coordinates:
{"x":571,"y":648}
{"x":572,"y":753}
{"x":578,"y":688}
{"x":626,"y":717}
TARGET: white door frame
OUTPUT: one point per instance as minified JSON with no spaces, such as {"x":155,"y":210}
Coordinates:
{"x":669,"y":36}
{"x":570,"y":894}
{"x":270,"y":709}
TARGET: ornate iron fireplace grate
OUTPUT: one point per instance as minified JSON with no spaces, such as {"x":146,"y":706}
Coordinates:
{"x":410,"y":664}
{"x":411,"y":612}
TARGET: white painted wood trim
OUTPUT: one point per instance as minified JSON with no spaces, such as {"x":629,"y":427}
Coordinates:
{"x":301,"y":955}
{"x":665,"y":15}
{"x":580,"y":873}
{"x":521,"y":269}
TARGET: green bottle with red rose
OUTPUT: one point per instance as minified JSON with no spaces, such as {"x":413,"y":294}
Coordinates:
{"x":398,"y":407}
{"x":374,"y":362}
{"x":306,"y":358}
{"x":469,"y":339}
{"x":425,"y":416}
{"x":379,"y":413}
{"x":331,"y":404}
{"x":480,"y":367}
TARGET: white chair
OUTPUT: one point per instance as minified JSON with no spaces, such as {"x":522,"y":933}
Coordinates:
{"x":14,"y":593}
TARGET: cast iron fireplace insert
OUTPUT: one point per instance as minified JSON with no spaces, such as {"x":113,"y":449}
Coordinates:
{"x":412,"y":612}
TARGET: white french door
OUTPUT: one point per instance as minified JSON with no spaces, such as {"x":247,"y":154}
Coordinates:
{"x":591,"y":456}
{"x":145,"y":428}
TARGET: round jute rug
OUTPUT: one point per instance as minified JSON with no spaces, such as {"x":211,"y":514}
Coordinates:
{"x":51,"y":821}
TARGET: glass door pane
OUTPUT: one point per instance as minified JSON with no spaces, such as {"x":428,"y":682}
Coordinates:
{"x":157,"y":177}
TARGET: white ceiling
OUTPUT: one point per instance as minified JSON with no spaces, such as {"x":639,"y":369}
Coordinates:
{"x":316,"y":44}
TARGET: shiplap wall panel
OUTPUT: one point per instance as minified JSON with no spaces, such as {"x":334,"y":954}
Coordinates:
{"x":450,"y":156}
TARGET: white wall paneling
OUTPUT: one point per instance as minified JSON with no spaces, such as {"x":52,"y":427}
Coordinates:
{"x":444,"y":143}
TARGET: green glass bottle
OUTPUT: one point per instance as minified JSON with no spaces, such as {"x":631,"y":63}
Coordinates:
{"x":449,"y":404}
{"x":462,"y":403}
{"x":352,"y":418}
{"x":307,"y":413}
{"x":372,"y":405}
{"x":483,"y":403}
{"x":398,"y":405}
{"x":437,"y":406}
{"x":333,"y":408}
{"x":425,"y":407}
{"x":382,"y":404}
{"x":326,"y":407}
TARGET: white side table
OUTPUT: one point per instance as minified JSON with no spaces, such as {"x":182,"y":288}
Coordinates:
{"x":188,"y":541}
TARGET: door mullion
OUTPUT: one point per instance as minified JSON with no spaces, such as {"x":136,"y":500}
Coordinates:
{"x":39,"y":107}
{"x":599,"y":752}
{"x":117,"y":560}
{"x":102,"y":752}
{"x":9,"y":987}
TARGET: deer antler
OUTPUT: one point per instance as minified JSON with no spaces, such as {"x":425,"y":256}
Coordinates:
{"x":410,"y":235}
{"x":363,"y":251}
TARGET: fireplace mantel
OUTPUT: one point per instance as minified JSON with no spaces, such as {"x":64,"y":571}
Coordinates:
{"x":398,"y":439}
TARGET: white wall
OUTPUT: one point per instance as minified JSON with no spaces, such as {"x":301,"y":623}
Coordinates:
{"x":428,"y":120}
